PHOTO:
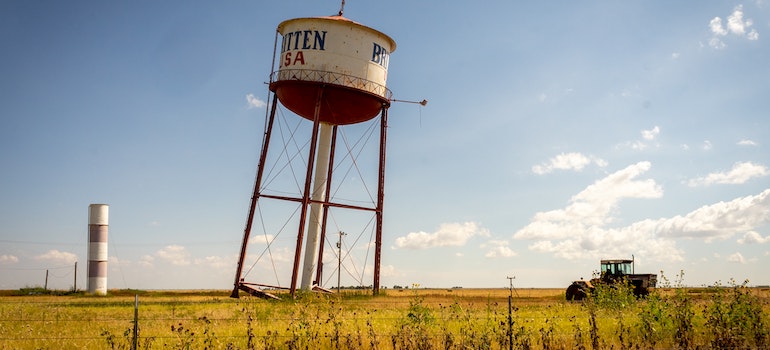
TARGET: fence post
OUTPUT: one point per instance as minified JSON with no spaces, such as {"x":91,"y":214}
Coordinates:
{"x":136,"y":321}
{"x":510,"y":313}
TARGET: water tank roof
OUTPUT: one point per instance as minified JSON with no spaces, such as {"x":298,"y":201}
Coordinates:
{"x":339,"y":19}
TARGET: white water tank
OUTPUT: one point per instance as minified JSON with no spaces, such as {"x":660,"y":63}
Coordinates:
{"x":345,"y":59}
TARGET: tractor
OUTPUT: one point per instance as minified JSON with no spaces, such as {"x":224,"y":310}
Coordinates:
{"x":614,"y":271}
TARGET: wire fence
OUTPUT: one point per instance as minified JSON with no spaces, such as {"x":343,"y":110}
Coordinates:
{"x":271,"y":333}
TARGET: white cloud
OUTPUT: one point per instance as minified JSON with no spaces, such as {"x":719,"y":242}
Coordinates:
{"x":601,"y":162}
{"x":716,"y":27}
{"x":739,"y":174}
{"x":707,"y":146}
{"x":57,"y":257}
{"x":8,"y":259}
{"x":717,"y":44}
{"x":592,"y":206}
{"x":648,"y":138}
{"x":638,"y":145}
{"x":267,"y":256}
{"x":579,"y":230}
{"x":254,"y":102}
{"x":115,"y":262}
{"x":146,"y":261}
{"x":174,"y":254}
{"x":719,"y":220}
{"x":626,"y":93}
{"x":746,"y":142}
{"x":217,"y":262}
{"x":736,"y":258}
{"x":753,"y":237}
{"x":582,"y":229}
{"x":261,"y":239}
{"x":567,"y":161}
{"x":736,"y":26}
{"x":651,"y":134}
{"x":735,"y":21}
{"x":498,"y":249}
{"x":448,"y":235}
{"x":389,"y":271}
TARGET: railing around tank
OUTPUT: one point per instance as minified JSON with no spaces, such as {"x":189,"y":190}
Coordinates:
{"x":332,"y":78}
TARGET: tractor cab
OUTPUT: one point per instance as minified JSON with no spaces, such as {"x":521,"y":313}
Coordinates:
{"x":615,"y":269}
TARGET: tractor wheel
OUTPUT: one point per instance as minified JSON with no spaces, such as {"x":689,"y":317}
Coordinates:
{"x":575,"y":292}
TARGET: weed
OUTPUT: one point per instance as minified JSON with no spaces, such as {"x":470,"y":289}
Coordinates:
{"x":336,"y":323}
{"x":208,"y":333}
{"x":624,"y":333}
{"x":413,"y":330}
{"x":654,"y":323}
{"x":270,"y":341}
{"x":616,"y":296}
{"x":683,"y":316}
{"x":373,"y":341}
{"x":594,"y":328}
{"x":116,"y":343}
{"x":735,"y":319}
{"x":299,"y":332}
{"x":577,"y":335}
{"x":547,"y":340}
{"x":185,"y":337}
{"x":250,"y":331}
{"x":126,"y":341}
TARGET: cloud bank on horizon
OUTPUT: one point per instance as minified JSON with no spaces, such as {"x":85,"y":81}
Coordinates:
{"x":584,"y":228}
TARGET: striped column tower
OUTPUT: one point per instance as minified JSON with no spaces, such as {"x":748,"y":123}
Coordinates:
{"x":98,"y":223}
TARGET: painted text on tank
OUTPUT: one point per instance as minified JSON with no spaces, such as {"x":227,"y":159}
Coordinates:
{"x":380,"y":55}
{"x":304,"y":40}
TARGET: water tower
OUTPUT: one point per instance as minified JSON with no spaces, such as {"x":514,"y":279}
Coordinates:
{"x":331,"y":72}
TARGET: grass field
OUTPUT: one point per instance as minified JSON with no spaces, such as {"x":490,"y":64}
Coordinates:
{"x":685,"y":318}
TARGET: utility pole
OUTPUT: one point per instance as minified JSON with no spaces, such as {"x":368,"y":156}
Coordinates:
{"x":46,"y":280}
{"x":339,"y":260}
{"x":75,"y":283}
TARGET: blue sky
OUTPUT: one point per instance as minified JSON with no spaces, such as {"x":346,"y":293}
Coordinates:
{"x":556,"y":134}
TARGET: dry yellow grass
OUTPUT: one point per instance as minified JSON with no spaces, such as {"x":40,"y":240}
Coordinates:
{"x":354,"y":319}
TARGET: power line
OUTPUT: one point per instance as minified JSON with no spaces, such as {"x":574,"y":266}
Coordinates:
{"x":36,"y":268}
{"x":124,"y":245}
{"x":32,"y":242}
